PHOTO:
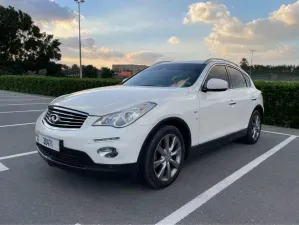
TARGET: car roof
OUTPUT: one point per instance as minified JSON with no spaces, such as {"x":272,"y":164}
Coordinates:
{"x":210,"y":60}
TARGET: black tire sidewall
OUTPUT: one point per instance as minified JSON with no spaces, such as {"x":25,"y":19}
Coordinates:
{"x":249,"y":139}
{"x":148,"y":162}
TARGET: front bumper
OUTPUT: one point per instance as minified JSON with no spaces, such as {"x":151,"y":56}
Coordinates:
{"x":89,"y":139}
{"x":72,"y":159}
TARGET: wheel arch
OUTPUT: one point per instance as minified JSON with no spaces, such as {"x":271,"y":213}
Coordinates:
{"x":261,"y":110}
{"x":177,"y":122}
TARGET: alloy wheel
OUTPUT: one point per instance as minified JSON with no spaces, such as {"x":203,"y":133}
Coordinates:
{"x":167,"y":157}
{"x":256,"y":127}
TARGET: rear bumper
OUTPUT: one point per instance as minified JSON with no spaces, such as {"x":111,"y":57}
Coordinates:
{"x":77,"y":160}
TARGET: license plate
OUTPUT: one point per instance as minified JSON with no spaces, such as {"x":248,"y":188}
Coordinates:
{"x":48,"y":142}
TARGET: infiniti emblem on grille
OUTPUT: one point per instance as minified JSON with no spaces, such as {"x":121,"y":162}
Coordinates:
{"x":54,"y":118}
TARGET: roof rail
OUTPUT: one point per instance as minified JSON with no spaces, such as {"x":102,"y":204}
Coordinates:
{"x":160,"y":62}
{"x":219,"y":59}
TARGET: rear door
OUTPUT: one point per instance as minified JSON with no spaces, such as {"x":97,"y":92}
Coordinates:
{"x":243,"y":95}
{"x":215,"y":108}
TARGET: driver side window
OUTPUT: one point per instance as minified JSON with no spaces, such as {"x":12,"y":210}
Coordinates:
{"x":218,"y":72}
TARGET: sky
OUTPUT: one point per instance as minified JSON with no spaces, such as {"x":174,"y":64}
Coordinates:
{"x":147,"y":31}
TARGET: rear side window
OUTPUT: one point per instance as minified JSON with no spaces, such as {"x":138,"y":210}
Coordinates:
{"x":237,"y":78}
{"x":248,"y":82}
{"x":218,"y":72}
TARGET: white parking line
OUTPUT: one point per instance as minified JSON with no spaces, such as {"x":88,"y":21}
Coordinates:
{"x":272,"y":132}
{"x":16,"y":93}
{"x":27,"y":104}
{"x":2,"y":167}
{"x":22,"y":111}
{"x":16,"y":125}
{"x":16,"y":96}
{"x":18,"y":155}
{"x":26,"y":99}
{"x":201,"y":199}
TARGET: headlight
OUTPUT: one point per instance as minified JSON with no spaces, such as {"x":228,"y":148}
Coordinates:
{"x":125,"y":117}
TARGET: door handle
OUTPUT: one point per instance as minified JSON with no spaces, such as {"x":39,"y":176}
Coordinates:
{"x":253,"y":98}
{"x":232,"y":102}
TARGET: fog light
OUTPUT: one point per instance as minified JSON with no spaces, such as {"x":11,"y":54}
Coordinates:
{"x":108,"y":152}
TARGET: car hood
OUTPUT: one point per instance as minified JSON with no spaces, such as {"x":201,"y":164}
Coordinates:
{"x":101,"y":101}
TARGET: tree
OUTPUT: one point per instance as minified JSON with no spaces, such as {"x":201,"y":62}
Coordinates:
{"x":75,"y":70}
{"x":90,"y":71}
{"x":106,"y":72}
{"x":244,"y":64}
{"x":22,"y":41}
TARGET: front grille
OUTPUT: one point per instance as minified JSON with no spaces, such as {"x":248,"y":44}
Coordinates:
{"x":64,"y":118}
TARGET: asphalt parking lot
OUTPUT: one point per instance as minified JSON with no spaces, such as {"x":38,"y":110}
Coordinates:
{"x":236,"y":183}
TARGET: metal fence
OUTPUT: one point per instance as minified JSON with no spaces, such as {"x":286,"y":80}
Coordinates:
{"x":276,"y":77}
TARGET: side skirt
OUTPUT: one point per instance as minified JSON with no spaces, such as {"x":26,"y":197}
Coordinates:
{"x":218,"y":142}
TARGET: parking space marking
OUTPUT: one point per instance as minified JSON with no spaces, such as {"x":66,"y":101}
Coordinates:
{"x":18,"y":155}
{"x":26,"y":99}
{"x":13,"y":94}
{"x":16,"y":125}
{"x":37,"y":110}
{"x":201,"y":199}
{"x":272,"y":132}
{"x":2,"y":167}
{"x":47,"y":103}
{"x":16,"y":96}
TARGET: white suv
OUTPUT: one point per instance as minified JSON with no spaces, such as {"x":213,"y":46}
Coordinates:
{"x":150,"y":122}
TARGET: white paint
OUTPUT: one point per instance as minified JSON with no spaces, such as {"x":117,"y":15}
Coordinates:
{"x":15,"y":96}
{"x":27,"y":104}
{"x":201,"y":199}
{"x":2,"y":167}
{"x":9,"y":93}
{"x":21,"y":95}
{"x":16,"y":125}
{"x":26,"y":99}
{"x":18,"y":155}
{"x":22,"y":111}
{"x":272,"y":132}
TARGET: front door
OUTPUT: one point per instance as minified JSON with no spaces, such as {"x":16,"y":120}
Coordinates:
{"x":216,"y":109}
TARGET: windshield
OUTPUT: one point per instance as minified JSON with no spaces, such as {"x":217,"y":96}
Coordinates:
{"x":168,"y":75}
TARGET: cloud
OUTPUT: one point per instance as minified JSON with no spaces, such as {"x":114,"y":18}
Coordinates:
{"x":289,"y":14}
{"x":45,"y":10}
{"x":143,"y":57}
{"x":49,"y":15}
{"x":231,"y":37}
{"x":207,"y":12}
{"x":277,"y":55}
{"x":102,"y":56}
{"x":173,"y":40}
{"x":73,"y":42}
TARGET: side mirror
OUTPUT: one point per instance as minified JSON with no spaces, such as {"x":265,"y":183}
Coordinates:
{"x":124,"y":80}
{"x":215,"y":85}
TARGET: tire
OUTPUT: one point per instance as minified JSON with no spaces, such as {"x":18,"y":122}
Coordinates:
{"x":156,"y":153}
{"x":254,"y":128}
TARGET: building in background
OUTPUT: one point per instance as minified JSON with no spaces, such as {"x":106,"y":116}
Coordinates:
{"x":127,"y":70}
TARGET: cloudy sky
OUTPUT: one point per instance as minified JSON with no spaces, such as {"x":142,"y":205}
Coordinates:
{"x":146,"y":31}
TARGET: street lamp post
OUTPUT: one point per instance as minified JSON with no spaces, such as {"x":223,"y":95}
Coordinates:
{"x":252,"y":51}
{"x":79,"y":18}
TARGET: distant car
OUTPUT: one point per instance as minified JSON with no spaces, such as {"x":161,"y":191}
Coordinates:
{"x":151,"y":121}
